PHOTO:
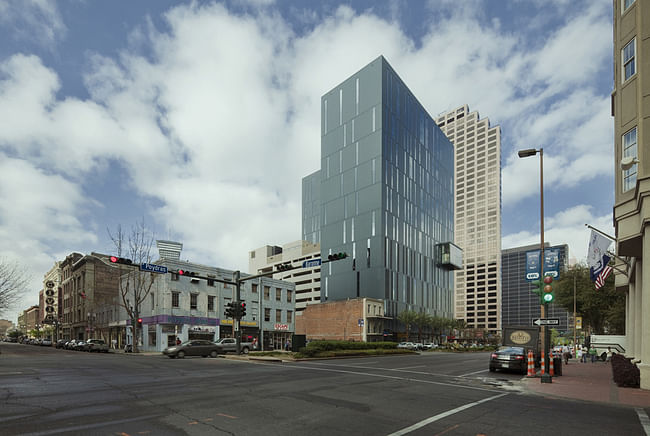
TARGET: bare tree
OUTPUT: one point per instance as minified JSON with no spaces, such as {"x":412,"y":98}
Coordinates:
{"x":13,"y":281}
{"x":134,"y":285}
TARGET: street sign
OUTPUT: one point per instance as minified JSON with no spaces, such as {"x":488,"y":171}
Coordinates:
{"x":360,"y":322}
{"x":311,"y":263}
{"x":547,"y":321}
{"x":153,"y":268}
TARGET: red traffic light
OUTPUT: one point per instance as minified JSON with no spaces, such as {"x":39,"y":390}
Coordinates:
{"x":548,"y":280}
{"x":115,"y":259}
{"x":139,"y":320}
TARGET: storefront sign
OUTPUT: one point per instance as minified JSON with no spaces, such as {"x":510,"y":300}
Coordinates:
{"x":282,"y":327}
{"x":241,"y":323}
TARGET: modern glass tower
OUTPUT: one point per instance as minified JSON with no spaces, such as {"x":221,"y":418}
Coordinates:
{"x":384,"y":195}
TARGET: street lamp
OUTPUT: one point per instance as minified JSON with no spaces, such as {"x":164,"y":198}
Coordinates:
{"x":546,"y":378}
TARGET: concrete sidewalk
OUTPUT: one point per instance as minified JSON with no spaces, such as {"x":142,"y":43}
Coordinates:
{"x":588,"y":382}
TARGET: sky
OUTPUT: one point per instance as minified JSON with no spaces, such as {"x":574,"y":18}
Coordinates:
{"x":200,"y":118}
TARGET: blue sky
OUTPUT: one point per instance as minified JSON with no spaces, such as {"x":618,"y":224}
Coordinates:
{"x":202,"y":117}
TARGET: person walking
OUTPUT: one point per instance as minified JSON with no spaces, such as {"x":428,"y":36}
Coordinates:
{"x":579,"y":354}
{"x":609,"y":354}
{"x":592,"y":353}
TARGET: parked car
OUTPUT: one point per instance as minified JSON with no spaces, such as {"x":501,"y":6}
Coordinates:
{"x":194,"y":347}
{"x":46,"y":342}
{"x":70,"y":344}
{"x":60,"y":343}
{"x":511,"y":358}
{"x":80,"y":346}
{"x":97,"y":345}
{"x":407,"y":345}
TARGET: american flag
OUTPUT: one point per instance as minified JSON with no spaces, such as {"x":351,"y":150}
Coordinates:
{"x":598,"y":259}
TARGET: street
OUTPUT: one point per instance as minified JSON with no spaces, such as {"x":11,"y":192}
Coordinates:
{"x":48,"y":391}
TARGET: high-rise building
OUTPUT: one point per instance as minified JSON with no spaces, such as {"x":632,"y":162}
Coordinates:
{"x":268,"y":258}
{"x":631,"y":111}
{"x":519,"y":304}
{"x":477,"y":214}
{"x":383,"y":195}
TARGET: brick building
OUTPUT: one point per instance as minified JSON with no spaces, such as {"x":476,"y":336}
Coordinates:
{"x":355,"y":319}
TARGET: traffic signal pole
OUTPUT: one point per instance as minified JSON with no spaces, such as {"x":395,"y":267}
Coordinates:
{"x":236,"y":319}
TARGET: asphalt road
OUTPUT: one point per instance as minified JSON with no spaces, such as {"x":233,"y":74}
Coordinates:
{"x":44,"y":391}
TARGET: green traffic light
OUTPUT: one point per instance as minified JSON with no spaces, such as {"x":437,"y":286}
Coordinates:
{"x":548,"y":298}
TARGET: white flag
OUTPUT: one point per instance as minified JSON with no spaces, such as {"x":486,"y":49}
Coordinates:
{"x":597,"y":257}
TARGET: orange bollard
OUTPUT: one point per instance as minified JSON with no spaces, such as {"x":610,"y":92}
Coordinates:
{"x":543,"y":365}
{"x":551,"y":368}
{"x":531,"y":364}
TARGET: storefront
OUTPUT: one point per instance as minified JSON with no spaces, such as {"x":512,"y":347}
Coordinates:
{"x":162,"y":331}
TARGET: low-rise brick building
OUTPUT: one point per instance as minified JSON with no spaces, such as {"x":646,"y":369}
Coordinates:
{"x":355,"y":319}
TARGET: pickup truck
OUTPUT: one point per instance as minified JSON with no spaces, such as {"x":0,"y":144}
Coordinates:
{"x":226,"y":345}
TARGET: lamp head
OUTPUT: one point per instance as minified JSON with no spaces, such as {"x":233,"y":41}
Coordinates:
{"x":628,"y":162}
{"x":528,"y":152}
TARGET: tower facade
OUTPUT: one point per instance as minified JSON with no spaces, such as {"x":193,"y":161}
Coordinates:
{"x":477,"y":206}
{"x":384,"y":194}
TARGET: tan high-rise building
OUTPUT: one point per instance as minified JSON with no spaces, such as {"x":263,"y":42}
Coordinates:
{"x":631,"y":111}
{"x":477,"y":215}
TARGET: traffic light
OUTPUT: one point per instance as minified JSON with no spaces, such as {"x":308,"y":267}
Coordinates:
{"x":547,"y":294}
{"x":242,"y":309}
{"x":122,"y":260}
{"x":184,"y":272}
{"x":337,"y":256}
{"x":139,"y":322}
{"x":229,"y":313}
{"x":283,"y":267}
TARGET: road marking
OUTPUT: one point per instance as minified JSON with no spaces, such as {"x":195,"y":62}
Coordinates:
{"x":410,"y":367}
{"x":98,"y":425}
{"x":443,"y":415}
{"x":389,"y":369}
{"x":227,"y":416}
{"x":472,"y":373}
{"x":10,"y":373}
{"x":392,"y":377}
{"x":645,"y":421}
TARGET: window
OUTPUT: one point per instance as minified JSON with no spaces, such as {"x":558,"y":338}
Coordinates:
{"x":278,"y":315}
{"x":267,"y":314}
{"x":210,"y":282}
{"x":211,"y":302}
{"x":267,"y":292}
{"x":193,"y":300}
{"x":254,"y":288}
{"x":278,"y":294}
{"x":289,"y":316}
{"x":174,"y":277}
{"x":153,"y":306}
{"x":627,"y":4}
{"x":289,"y":295}
{"x":629,"y":63}
{"x":629,"y":150}
{"x":175,"y":298}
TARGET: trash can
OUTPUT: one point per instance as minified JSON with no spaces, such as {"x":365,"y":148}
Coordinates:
{"x":557,"y":365}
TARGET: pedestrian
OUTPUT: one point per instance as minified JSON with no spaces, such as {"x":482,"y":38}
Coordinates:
{"x":287,"y":345}
{"x":114,"y":343}
{"x":178,"y":340}
{"x":255,"y":344}
{"x":579,"y":354}
{"x":592,"y":353}
{"x":585,"y":354}
{"x":609,"y":354}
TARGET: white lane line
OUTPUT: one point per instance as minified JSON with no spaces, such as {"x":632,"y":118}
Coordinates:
{"x":472,"y":373}
{"x":410,"y":367}
{"x":10,"y":373}
{"x":389,"y":369}
{"x":645,"y":421}
{"x":443,"y":415}
{"x":453,"y":385}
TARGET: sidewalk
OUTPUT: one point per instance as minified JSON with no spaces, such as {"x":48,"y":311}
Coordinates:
{"x":588,"y":382}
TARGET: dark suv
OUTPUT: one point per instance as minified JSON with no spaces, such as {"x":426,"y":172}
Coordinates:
{"x":194,"y":347}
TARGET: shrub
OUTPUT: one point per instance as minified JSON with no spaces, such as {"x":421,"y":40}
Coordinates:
{"x":330,"y":348}
{"x":625,"y":373}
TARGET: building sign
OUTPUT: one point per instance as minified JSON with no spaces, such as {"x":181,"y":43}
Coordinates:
{"x":241,"y":323}
{"x":578,"y":322}
{"x":532,"y":265}
{"x":282,"y":327}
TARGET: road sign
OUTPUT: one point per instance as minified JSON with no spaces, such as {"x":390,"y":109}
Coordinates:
{"x":360,"y":322}
{"x":153,"y":268}
{"x":547,"y":321}
{"x":311,"y":263}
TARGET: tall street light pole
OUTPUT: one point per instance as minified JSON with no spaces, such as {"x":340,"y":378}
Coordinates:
{"x":546,"y":377}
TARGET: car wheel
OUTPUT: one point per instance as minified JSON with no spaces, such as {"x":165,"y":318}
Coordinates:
{"x":171,"y":356}
{"x":204,"y":355}
{"x":492,"y":369}
{"x":213,"y":353}
{"x":181,"y":354}
{"x":245,"y":350}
